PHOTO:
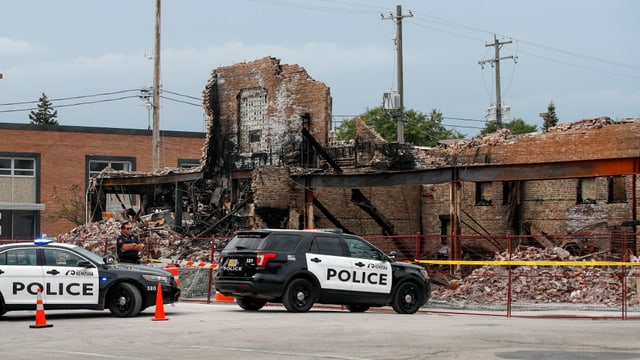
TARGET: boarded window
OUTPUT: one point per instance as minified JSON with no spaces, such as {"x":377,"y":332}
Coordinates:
{"x":253,"y":120}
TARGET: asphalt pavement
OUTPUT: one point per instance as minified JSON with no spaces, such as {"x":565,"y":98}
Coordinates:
{"x":224,"y":331}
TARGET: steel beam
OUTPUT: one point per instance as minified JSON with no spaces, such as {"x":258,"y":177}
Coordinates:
{"x":477,"y":173}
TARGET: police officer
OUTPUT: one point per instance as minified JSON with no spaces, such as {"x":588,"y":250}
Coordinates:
{"x":128,"y":245}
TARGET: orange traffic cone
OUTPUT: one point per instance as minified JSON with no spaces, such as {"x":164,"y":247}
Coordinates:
{"x":224,"y":298}
{"x":41,"y":321}
{"x":159,"y":305}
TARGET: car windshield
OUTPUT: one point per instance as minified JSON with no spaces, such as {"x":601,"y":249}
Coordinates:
{"x":88,"y":254}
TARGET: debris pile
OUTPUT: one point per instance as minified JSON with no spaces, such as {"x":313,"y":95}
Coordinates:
{"x":161,"y":242}
{"x":542,"y":284}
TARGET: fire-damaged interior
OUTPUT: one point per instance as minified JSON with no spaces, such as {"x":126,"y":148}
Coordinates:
{"x":269,"y":161}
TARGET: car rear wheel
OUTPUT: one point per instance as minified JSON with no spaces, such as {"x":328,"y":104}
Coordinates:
{"x":357,"y":307}
{"x":124,"y":300}
{"x":299,"y":296}
{"x":251,"y":304}
{"x":408,"y":298}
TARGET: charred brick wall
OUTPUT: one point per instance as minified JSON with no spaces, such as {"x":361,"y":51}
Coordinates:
{"x":292,"y":97}
{"x":400,"y":205}
{"x":63,"y":150}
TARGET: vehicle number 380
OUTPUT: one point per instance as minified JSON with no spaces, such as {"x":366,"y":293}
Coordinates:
{"x":152,"y":288}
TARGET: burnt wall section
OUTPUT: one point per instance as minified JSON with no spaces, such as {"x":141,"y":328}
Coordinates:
{"x":256,"y":112}
{"x":278,"y":202}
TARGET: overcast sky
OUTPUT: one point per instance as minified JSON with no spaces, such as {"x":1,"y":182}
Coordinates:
{"x":581,"y":54}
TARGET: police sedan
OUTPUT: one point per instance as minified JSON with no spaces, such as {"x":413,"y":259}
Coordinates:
{"x":71,"y":277}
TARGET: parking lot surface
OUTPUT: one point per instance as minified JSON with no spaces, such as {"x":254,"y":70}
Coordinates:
{"x":224,"y":331}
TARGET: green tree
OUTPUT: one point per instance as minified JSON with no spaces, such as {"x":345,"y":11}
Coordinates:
{"x":46,"y":115}
{"x":419,"y":129}
{"x":550,"y":119}
{"x":518,"y":126}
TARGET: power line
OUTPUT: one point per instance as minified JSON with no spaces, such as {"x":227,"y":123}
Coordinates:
{"x":70,"y":98}
{"x":74,"y":104}
{"x":178,"y":94}
{"x":180,"y":101}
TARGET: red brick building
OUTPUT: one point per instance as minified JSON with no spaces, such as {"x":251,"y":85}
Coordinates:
{"x":45,"y":169}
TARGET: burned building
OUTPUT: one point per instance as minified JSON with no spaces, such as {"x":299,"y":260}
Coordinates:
{"x":268,"y":162}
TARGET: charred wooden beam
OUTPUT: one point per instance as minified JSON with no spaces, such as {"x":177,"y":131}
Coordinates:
{"x":316,"y":145}
{"x":334,"y":220}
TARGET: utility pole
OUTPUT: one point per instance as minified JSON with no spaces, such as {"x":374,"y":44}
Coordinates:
{"x":496,"y":60}
{"x":398,"y":20}
{"x":155,"y":137}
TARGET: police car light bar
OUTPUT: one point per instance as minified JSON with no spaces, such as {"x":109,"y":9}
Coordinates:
{"x":42,"y":241}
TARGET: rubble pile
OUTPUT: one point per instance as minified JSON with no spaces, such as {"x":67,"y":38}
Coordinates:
{"x":162,"y":243}
{"x":541,"y":284}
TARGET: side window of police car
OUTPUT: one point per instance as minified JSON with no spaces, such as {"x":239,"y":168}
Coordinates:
{"x":327,"y":245}
{"x":19,"y":257}
{"x":362,"y":250}
{"x":58,"y":257}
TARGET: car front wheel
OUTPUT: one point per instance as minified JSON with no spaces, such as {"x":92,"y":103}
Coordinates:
{"x":408,"y":298}
{"x":299,"y":296}
{"x":124,"y":300}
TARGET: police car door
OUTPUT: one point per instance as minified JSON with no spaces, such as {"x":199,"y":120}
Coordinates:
{"x":371,"y":270}
{"x":20,"y":276}
{"x":66,"y":282}
{"x":327,"y":261}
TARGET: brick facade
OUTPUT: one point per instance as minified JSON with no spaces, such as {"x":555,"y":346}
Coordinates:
{"x":63,"y":151}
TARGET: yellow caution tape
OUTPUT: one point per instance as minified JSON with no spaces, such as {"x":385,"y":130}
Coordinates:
{"x":527,"y":263}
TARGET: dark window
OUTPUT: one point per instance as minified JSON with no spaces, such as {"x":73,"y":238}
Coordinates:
{"x":18,"y":224}
{"x":254,"y":135}
{"x":617,"y":189}
{"x":484,"y":194}
{"x":283,"y":242}
{"x":188,"y":163}
{"x":327,"y":245}
{"x":262,"y":241}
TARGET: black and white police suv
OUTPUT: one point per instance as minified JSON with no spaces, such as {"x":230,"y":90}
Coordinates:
{"x":71,"y":277}
{"x":300,"y":267}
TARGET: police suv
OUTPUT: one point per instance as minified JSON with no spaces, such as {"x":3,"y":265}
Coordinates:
{"x":299,"y":268}
{"x":71,"y":277}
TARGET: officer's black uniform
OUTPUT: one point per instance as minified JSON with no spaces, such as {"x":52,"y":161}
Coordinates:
{"x":129,"y":256}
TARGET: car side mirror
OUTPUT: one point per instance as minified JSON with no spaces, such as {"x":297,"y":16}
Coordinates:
{"x":392,"y":255}
{"x":109,"y":259}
